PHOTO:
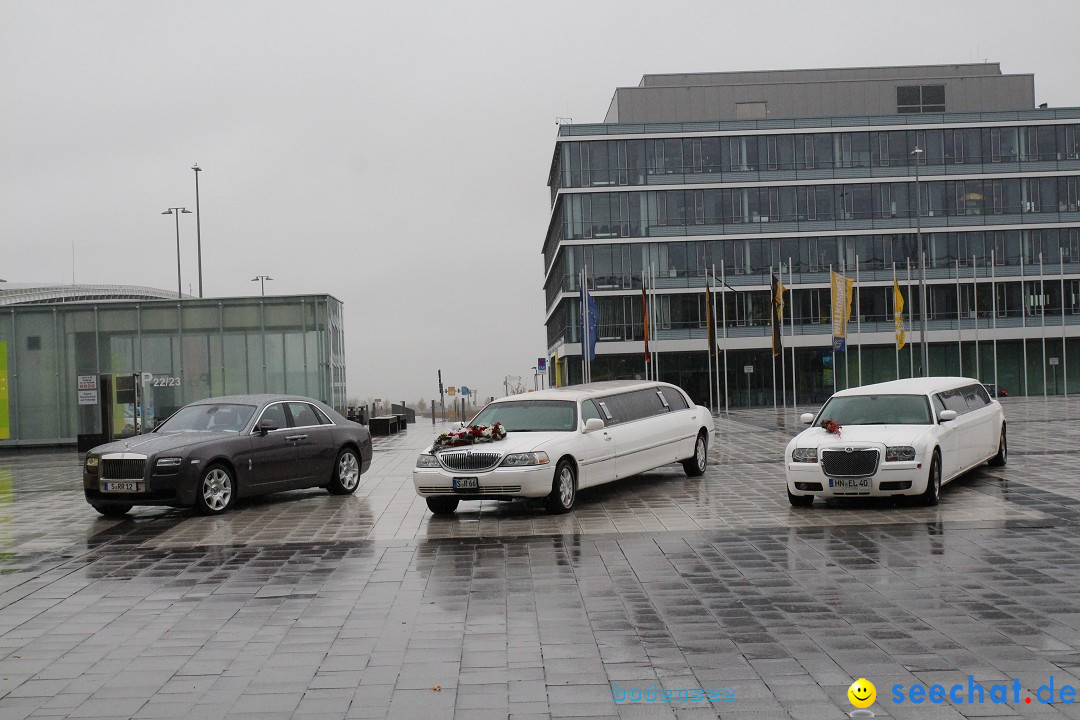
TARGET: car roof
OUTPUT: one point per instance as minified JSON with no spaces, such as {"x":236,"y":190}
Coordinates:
{"x":910,"y":386}
{"x":255,"y":399}
{"x":577,"y":393}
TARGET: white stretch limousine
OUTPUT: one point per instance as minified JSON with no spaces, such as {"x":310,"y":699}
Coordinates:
{"x":561,"y":440}
{"x":904,"y":437}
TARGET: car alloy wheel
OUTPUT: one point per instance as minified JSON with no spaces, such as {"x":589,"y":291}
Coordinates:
{"x":346,"y":473}
{"x":695,"y":466}
{"x":215,"y":490}
{"x":564,"y":493}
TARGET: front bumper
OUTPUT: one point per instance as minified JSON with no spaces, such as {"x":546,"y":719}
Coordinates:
{"x":171,"y":490}
{"x":534,"y":481}
{"x":892,"y":478}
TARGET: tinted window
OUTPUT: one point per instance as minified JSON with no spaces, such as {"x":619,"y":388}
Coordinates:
{"x":322,"y":416}
{"x":276,"y":414}
{"x":635,"y":405}
{"x":954,"y":400}
{"x":303,"y":414}
{"x":976,"y":397}
{"x":675,"y":399}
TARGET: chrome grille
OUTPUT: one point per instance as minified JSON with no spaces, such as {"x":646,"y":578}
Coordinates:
{"x":126,"y":469}
{"x":857,"y":463}
{"x":485,"y":490}
{"x":469,"y":460}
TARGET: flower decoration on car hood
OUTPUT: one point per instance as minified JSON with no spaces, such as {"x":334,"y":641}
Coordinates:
{"x":469,"y":436}
{"x":831,"y":426}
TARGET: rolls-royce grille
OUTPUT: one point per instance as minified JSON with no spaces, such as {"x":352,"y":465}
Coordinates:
{"x":857,"y":463}
{"x":474,"y":461}
{"x":125,"y":469}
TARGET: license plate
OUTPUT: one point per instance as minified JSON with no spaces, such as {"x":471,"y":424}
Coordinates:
{"x":850,"y":483}
{"x":114,"y":486}
{"x":466,"y":483}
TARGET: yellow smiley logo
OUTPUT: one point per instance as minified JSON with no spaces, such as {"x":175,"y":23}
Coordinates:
{"x":862,"y":693}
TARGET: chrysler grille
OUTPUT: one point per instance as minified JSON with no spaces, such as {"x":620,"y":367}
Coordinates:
{"x":857,"y":463}
{"x":471,"y":461}
{"x":126,"y":469}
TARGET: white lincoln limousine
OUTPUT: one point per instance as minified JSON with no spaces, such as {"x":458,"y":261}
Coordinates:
{"x":904,"y":437}
{"x":564,"y":439}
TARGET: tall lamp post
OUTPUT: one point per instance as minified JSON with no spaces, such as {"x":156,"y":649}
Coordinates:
{"x":176,"y":211}
{"x":198,"y":223}
{"x":261,"y":279}
{"x":924,"y":354}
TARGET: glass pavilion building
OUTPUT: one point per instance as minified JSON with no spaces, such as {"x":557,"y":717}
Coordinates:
{"x":93,"y":360}
{"x":807,"y":171}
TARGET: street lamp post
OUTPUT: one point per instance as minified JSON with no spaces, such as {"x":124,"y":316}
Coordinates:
{"x":176,"y":211}
{"x":198,"y":223}
{"x":261,"y":279}
{"x":924,"y":355}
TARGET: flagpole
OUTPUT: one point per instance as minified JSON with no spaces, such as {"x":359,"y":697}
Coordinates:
{"x":858,"y":317}
{"x":723,"y":313}
{"x":783,"y":361}
{"x":1042,"y":304}
{"x":897,"y":341}
{"x":1064,"y":340}
{"x":656,"y":318}
{"x":584,"y":324}
{"x":959,"y":331}
{"x":645,"y":321}
{"x":975,"y":307}
{"x":993,"y":317}
{"x":1023,"y":320}
{"x":791,"y":302}
{"x":911,"y":318}
{"x":772,"y":325}
{"x":832,"y":312}
{"x":708,"y":336}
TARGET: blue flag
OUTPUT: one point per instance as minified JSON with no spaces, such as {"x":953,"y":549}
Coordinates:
{"x":592,"y":321}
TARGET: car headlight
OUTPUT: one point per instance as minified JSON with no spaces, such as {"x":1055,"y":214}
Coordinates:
{"x":806,"y":455}
{"x":901,"y":453}
{"x":92,"y":463}
{"x":427,"y":461}
{"x":524,"y":459}
{"x":168,"y":462}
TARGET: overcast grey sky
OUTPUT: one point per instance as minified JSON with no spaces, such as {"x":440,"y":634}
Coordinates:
{"x":392,"y":154}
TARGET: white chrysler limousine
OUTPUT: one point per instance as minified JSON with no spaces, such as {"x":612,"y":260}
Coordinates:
{"x":904,"y":437}
{"x":561,"y":440}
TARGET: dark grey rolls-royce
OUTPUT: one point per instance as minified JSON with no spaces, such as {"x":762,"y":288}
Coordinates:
{"x":209,"y":453}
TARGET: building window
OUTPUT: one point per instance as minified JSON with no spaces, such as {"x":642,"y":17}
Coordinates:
{"x":33,"y":342}
{"x":920,"y":98}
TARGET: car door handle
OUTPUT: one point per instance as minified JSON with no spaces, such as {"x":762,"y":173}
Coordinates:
{"x":296,"y":437}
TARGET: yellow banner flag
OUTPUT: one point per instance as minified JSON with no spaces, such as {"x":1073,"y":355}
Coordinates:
{"x":898,"y":314}
{"x":558,"y":370}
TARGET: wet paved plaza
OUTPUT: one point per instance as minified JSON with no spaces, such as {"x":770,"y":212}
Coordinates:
{"x":308,"y":605}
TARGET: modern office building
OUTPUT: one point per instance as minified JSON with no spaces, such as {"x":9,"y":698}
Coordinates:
{"x":106,"y":360}
{"x":802,"y":172}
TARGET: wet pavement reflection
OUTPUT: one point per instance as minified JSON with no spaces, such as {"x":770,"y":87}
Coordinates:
{"x":309,"y":605}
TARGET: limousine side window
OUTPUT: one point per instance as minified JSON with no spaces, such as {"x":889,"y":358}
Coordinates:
{"x":675,"y":399}
{"x":976,"y":397}
{"x":636,"y":405}
{"x":589,"y":411}
{"x":954,"y":400}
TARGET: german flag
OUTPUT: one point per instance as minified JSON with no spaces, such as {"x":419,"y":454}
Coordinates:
{"x":778,"y":291}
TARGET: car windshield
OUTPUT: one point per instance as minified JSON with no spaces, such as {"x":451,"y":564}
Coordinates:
{"x":877,"y":410}
{"x":530,"y":416}
{"x":215,"y":417}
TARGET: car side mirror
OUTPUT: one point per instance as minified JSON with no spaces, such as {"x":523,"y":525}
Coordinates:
{"x":806,"y":418}
{"x":947,"y":415}
{"x":265,"y":426}
{"x":594,"y":424}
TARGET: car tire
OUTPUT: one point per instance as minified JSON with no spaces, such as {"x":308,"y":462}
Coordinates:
{"x":346,"y":476}
{"x":563,"y":489}
{"x":216,"y":491}
{"x":112,"y":511}
{"x":932,"y":494}
{"x":1002,"y":456}
{"x":695,"y":465}
{"x":442,"y":505}
{"x":800,"y":500}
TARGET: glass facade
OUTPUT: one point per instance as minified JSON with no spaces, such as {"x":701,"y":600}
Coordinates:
{"x":995,"y":198}
{"x":177,"y":352}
